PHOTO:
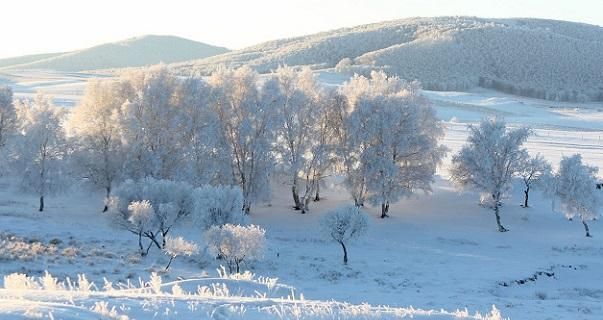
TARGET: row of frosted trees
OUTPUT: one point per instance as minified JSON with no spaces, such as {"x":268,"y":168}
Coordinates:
{"x":237,"y":128}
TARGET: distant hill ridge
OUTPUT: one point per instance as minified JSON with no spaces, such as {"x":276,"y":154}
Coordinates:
{"x":549,"y":59}
{"x":134,"y":52}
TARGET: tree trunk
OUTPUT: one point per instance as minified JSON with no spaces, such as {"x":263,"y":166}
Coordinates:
{"x":297,"y":203}
{"x":526,"y":193}
{"x":164,"y":233}
{"x":357,"y":203}
{"x":106,"y":208}
{"x":142,"y":253}
{"x":497,"y":214}
{"x":586,"y":229}
{"x":303,"y":206}
{"x":169,"y":263}
{"x":384,"y":210}
{"x":246,"y":207}
{"x":345,"y":253}
{"x":317,"y":197}
{"x":41,"y":203}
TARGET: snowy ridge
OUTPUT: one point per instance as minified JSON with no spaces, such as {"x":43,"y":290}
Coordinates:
{"x":134,"y":52}
{"x":27,"y":297}
{"x":546,"y":59}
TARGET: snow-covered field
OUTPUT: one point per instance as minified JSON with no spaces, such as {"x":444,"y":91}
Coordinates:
{"x":437,"y":253}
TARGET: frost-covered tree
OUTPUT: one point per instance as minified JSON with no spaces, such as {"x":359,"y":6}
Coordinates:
{"x":94,"y":126}
{"x":531,"y":170}
{"x":150,"y":123}
{"x":394,"y":136}
{"x":344,"y":65}
{"x":346,"y":150}
{"x":42,"y":147}
{"x":8,"y":115}
{"x":207,"y":159}
{"x":236,"y":244}
{"x":170,"y":201}
{"x":218,"y":205}
{"x":246,"y":116}
{"x":303,"y":142}
{"x":576,"y":190}
{"x":175,"y":247}
{"x":489,"y":160}
{"x":140,"y":220}
{"x":343,"y":225}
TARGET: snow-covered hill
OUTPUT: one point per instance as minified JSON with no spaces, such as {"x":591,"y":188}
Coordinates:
{"x":133,"y":52}
{"x":6,"y":62}
{"x":548,"y":59}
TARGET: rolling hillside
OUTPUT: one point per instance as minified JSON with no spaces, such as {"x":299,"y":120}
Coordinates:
{"x":6,"y":62}
{"x":547,"y":59}
{"x":133,"y":52}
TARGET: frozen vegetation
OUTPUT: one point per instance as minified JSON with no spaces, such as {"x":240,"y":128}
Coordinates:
{"x":372,"y":197}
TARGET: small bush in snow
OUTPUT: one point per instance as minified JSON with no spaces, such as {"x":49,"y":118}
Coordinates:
{"x":15,"y":248}
{"x":218,"y":205}
{"x":236,"y":243}
{"x":166,"y":202}
{"x":178,"y":247}
{"x":344,"y":224}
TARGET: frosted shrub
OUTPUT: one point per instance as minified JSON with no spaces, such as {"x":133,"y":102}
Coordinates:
{"x":342,"y":225}
{"x":83,"y":284}
{"x":218,"y":205}
{"x":102,"y":308}
{"x":155,"y":283}
{"x":175,"y":247}
{"x":15,"y":248}
{"x":236,"y":244}
{"x":19,"y":281}
{"x":141,"y":219}
{"x":168,"y":201}
{"x":51,"y":283}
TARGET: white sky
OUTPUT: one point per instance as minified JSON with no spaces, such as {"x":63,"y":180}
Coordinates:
{"x":30,"y":26}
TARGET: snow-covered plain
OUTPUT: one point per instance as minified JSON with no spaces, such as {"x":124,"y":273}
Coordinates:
{"x":436,"y":252}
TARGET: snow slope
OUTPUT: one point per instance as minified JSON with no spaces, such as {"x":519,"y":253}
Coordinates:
{"x":66,"y":88}
{"x":27,"y":59}
{"x":134,"y":52}
{"x":549,"y":59}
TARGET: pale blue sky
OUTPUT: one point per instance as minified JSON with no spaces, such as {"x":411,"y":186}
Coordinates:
{"x":30,"y":26}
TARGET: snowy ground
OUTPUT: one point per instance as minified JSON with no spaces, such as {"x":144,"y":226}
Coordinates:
{"x":438,"y":251}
